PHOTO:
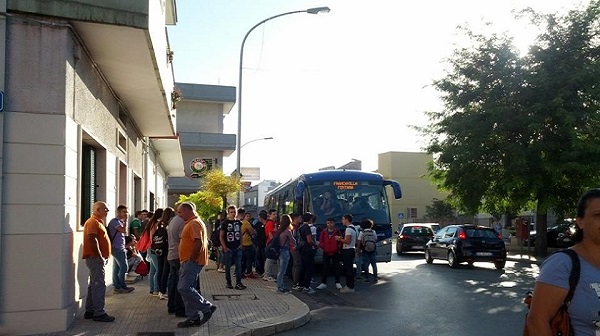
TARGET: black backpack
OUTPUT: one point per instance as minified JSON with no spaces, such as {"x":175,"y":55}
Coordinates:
{"x":160,"y":241}
{"x":214,"y":238}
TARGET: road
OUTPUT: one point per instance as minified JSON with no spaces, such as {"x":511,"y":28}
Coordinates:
{"x":414,"y":298}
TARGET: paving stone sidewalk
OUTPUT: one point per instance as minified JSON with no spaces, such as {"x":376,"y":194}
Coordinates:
{"x":257,"y":310}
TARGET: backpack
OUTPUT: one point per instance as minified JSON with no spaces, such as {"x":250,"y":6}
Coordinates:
{"x":369,"y":240}
{"x":142,"y":268}
{"x":214,"y":238}
{"x":561,"y":322}
{"x":260,"y":238}
{"x":273,"y":248}
{"x":299,"y":237}
{"x":160,"y":242}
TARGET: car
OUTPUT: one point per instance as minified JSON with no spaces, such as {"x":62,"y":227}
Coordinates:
{"x":552,"y":235}
{"x":466,"y":243}
{"x":413,"y":237}
{"x":435,"y":227}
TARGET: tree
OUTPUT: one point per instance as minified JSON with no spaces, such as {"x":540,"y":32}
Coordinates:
{"x":440,"y":211}
{"x":216,"y":182}
{"x":521,"y":132}
{"x":212,"y":196}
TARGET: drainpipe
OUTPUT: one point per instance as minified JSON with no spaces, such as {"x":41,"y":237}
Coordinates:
{"x":3,"y":43}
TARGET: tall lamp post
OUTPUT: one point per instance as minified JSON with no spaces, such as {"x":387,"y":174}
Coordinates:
{"x":315,"y":10}
{"x":259,"y":139}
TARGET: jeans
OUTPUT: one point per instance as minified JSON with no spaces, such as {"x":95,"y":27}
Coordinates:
{"x":330,"y":262}
{"x":174,"y":300}
{"x":194,"y":302}
{"x":370,"y":258}
{"x":248,"y":258}
{"x":153,"y":276}
{"x":359,"y":264}
{"x":259,"y":255}
{"x":307,"y":255}
{"x":233,"y":256}
{"x":94,"y":302}
{"x":296,"y":267}
{"x":348,"y":259}
{"x":270,"y":268}
{"x":284,"y":259}
{"x":120,"y":268}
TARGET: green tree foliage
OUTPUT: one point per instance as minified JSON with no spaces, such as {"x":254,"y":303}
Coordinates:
{"x":214,"y":190}
{"x":440,"y":211}
{"x":521,"y":131}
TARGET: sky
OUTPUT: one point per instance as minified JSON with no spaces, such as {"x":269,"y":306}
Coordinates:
{"x":330,"y":88}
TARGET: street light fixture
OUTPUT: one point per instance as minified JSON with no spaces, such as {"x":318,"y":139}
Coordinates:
{"x":259,"y":139}
{"x":315,"y":10}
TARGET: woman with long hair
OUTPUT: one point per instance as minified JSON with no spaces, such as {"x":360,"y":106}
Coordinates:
{"x":149,"y":230}
{"x":160,"y":247}
{"x":287,"y":242}
{"x":552,"y":285}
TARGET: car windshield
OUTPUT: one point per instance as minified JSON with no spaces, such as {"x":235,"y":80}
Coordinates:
{"x":417,"y":231}
{"x":480,"y":233}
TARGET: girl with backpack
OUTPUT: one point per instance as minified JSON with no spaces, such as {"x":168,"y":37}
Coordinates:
{"x":287,"y":243}
{"x":160,"y":247}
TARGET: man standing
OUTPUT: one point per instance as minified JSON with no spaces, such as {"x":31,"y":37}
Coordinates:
{"x":96,"y":250}
{"x":175,"y":302}
{"x":308,"y":249}
{"x":117,"y":231}
{"x":270,"y":227}
{"x":261,"y":241}
{"x":248,"y":233}
{"x":193,"y":253}
{"x":135,"y":227}
{"x":230,"y":237}
{"x":348,"y":251}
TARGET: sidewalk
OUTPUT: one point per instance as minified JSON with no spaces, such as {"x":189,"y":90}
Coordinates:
{"x":257,"y":310}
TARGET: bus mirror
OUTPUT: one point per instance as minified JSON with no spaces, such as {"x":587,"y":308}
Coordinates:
{"x":299,"y":190}
{"x":395,"y":187}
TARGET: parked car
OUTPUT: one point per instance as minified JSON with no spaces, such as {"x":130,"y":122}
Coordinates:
{"x":413,"y":237}
{"x":466,"y":243}
{"x":435,"y":227}
{"x":552,"y":234}
{"x":564,"y":238}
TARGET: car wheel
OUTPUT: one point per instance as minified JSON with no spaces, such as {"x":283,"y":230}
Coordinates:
{"x":452,"y":262}
{"x":500,"y":264}
{"x":398,"y":249}
{"x":428,"y":258}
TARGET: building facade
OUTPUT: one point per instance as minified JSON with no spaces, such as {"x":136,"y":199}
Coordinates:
{"x":88,"y":115}
{"x":409,"y":169}
{"x":254,"y":199}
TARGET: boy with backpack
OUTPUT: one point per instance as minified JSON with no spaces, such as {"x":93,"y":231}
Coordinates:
{"x":367,"y":243}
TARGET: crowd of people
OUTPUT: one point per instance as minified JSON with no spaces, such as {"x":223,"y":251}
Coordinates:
{"x":175,"y":246}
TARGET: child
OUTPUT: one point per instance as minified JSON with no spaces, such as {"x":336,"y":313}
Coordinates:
{"x":133,"y":257}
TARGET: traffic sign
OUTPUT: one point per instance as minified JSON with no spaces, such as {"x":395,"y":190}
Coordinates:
{"x":400,"y":215}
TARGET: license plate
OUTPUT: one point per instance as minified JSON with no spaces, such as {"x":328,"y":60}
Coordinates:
{"x":484,"y":254}
{"x":417,"y":247}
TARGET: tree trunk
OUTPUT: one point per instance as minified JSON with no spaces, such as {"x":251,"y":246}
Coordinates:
{"x":541,"y":228}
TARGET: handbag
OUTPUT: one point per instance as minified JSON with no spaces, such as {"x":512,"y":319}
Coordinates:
{"x":561,"y":322}
{"x":144,"y":243}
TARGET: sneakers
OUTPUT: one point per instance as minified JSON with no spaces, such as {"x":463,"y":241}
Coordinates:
{"x":133,"y":274}
{"x":268,"y":278}
{"x":338,"y":285}
{"x":162,"y":296}
{"x":88,"y":315}
{"x":123,"y":290}
{"x":283,"y":291}
{"x":250,"y":275}
{"x":206,"y":316}
{"x":189,"y":323}
{"x":103,"y":318}
{"x":221,"y":270}
{"x":309,"y":291}
{"x":346,"y":289}
{"x":322,"y":286}
{"x":154,"y":293}
{"x":229,"y":286}
{"x":240,"y":286}
{"x":297,"y":287}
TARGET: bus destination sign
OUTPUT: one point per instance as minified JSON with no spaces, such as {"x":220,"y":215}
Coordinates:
{"x":345,"y":185}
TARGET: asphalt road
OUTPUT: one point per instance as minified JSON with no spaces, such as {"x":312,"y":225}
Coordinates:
{"x":413,"y":298}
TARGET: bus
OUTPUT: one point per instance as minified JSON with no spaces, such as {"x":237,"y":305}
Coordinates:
{"x":334,"y":193}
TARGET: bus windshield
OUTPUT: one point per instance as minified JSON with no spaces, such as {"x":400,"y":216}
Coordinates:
{"x":360,"y":199}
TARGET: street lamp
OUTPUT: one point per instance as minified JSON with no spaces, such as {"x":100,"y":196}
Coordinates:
{"x":315,"y":10}
{"x":259,"y":139}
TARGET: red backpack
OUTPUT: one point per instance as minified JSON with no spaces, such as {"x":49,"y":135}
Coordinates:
{"x":142,"y":268}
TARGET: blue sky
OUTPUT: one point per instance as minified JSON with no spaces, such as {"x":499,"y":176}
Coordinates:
{"x":331,"y":87}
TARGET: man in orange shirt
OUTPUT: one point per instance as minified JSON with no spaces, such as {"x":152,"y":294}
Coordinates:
{"x":96,"y":251}
{"x":193,"y":254}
